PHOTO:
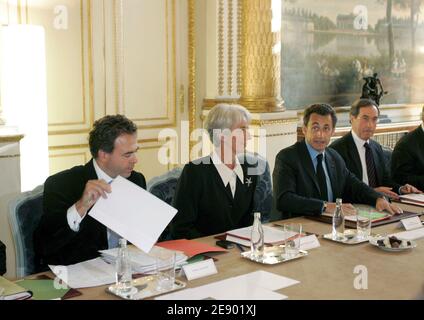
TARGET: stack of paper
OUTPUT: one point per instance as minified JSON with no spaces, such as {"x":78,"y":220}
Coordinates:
{"x":91,"y":273}
{"x":141,"y":262}
{"x":272,"y":236}
{"x":258,"y":285}
{"x":12,"y":291}
{"x":415,"y":199}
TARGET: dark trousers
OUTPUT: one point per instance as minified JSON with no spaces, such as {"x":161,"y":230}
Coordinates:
{"x":2,"y":258}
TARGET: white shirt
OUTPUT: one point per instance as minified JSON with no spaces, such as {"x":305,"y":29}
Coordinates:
{"x":73,"y":217}
{"x":361,"y":150}
{"x":422,"y":126}
{"x":227,"y":175}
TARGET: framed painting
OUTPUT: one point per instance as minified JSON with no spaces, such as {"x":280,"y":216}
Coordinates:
{"x":330,"y":46}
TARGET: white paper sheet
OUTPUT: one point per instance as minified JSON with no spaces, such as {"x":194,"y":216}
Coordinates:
{"x":133,"y":213}
{"x":266,"y":280}
{"x":258,"y":285}
{"x":418,"y":197}
{"x":91,"y":273}
{"x":410,"y":235}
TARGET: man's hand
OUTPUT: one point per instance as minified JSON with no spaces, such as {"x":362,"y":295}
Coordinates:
{"x":382,"y":204}
{"x":348,"y":209}
{"x":94,"y":189}
{"x":407,"y":188}
{"x":386,"y":191}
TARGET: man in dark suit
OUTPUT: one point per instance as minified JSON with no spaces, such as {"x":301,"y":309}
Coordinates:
{"x":408,"y":158}
{"x":66,"y":234}
{"x":364,"y":157}
{"x":308,"y":177}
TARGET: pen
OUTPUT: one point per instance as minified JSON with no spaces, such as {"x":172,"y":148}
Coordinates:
{"x":240,"y":247}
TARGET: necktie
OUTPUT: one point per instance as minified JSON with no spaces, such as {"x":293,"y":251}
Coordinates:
{"x":322,"y":181}
{"x":372,"y":178}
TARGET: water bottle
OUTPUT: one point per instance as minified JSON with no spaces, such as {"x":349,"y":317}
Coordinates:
{"x":338,"y":221}
{"x":123,"y":268}
{"x":257,"y":237}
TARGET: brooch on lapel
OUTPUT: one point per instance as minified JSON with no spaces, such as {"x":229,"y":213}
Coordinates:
{"x":248,"y":182}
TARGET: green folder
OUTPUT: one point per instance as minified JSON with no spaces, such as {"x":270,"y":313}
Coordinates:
{"x":43,"y":289}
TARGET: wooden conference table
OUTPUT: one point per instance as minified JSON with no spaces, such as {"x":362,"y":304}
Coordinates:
{"x":328,"y":271}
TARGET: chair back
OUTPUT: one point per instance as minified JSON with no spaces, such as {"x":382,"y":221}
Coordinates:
{"x":25,"y":212}
{"x":262,"y":201}
{"x":163,"y":187}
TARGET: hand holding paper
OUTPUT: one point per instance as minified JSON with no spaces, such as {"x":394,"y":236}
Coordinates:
{"x":133,"y":213}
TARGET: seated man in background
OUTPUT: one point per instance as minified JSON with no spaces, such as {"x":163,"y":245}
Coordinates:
{"x":66,"y":234}
{"x":364,"y":157}
{"x":408,"y":158}
{"x":215,"y":194}
{"x":309,"y":177}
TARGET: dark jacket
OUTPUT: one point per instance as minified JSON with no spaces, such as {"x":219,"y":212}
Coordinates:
{"x":296,"y":189}
{"x":205,"y":206}
{"x":346,"y":147}
{"x":408,"y":159}
{"x":54,"y":241}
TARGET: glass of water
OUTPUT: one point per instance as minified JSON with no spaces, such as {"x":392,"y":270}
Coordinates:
{"x":293,"y":233}
{"x":363,"y":223}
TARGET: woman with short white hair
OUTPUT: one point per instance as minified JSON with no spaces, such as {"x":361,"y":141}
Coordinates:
{"x":215,"y":193}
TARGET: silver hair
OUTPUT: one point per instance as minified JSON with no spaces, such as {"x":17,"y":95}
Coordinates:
{"x":225,"y":116}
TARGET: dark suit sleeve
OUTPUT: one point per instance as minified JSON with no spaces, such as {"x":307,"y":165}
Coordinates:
{"x":387,"y":180}
{"x":53,"y":231}
{"x":358,"y":191}
{"x":186,"y":201}
{"x":403,"y":167}
{"x":285,"y":190}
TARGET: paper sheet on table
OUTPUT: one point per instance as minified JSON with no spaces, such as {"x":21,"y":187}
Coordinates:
{"x":90,"y":273}
{"x":410,"y":235}
{"x":133,"y":213}
{"x":415,"y":197}
{"x":258,"y":285}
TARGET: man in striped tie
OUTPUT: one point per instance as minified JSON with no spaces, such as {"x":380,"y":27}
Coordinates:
{"x":365,"y":157}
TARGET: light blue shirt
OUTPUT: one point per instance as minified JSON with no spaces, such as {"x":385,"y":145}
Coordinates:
{"x":313,"y":153}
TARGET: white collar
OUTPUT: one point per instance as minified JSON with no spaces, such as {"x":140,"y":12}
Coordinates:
{"x":422,"y":126}
{"x":225,"y":172}
{"x":358,"y":141}
{"x":100,"y":173}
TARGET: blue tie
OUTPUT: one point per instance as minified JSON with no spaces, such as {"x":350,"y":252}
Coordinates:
{"x":112,"y":239}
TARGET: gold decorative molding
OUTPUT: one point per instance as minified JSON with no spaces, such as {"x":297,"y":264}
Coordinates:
{"x":86,"y":146}
{"x":171,"y":70}
{"x":239,"y":45}
{"x":261,"y":84}
{"x":10,"y":156}
{"x":221,"y":47}
{"x":284,"y":134}
{"x":274,"y":122}
{"x":192,"y":68}
{"x":230,"y":48}
{"x":11,"y":138}
{"x":84,"y":63}
{"x":210,"y":103}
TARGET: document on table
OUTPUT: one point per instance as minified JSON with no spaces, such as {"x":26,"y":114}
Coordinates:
{"x":258,"y":285}
{"x":271,"y":235}
{"x":410,"y":235}
{"x":133,"y":213}
{"x":91,"y":273}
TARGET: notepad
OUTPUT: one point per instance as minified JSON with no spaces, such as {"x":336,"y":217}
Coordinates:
{"x":43,"y":289}
{"x":13,"y":291}
{"x":189,"y":247}
{"x":272,"y":236}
